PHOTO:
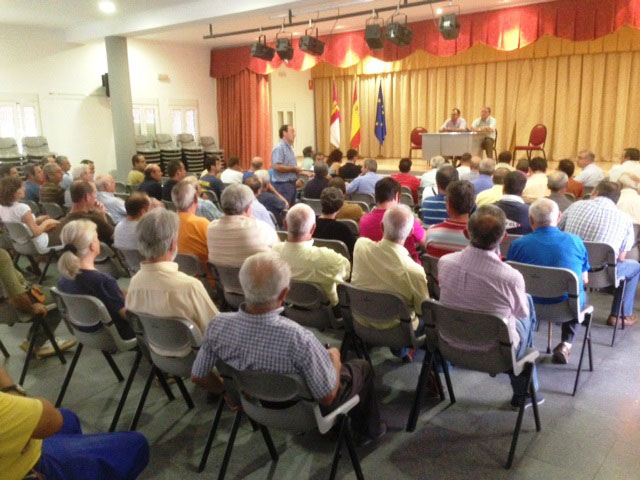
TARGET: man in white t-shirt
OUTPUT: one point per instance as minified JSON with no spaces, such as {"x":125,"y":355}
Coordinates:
{"x":630,"y":164}
{"x":233,"y":172}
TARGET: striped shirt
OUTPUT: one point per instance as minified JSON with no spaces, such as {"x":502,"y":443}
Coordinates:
{"x":434,"y":209}
{"x":267,"y":342}
{"x":446,"y":237}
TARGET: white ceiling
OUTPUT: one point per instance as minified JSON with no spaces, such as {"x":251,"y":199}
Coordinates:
{"x":187,"y":21}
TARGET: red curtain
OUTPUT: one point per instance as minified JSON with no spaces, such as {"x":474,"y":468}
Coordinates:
{"x":244,"y":106}
{"x":505,"y":29}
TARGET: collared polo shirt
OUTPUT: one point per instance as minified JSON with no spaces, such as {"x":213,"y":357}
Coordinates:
{"x":371,"y":227}
{"x":591,"y":175}
{"x":482,"y":183}
{"x":434,"y":209}
{"x":487,"y":197}
{"x":536,"y":187}
{"x":629,"y":203}
{"x":233,"y":238}
{"x":283,"y":153}
{"x":364,"y":184}
{"x":489,"y":122}
{"x":446,"y":237}
{"x":192,"y":235}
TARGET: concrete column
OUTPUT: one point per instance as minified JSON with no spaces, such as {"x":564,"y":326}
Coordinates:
{"x":121,"y":107}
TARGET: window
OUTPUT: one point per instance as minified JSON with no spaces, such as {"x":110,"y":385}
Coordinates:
{"x":184,"y":119}
{"x":145,"y":119}
{"x":18,"y":120}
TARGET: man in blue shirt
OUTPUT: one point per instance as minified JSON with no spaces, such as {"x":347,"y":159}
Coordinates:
{"x":366,"y":182}
{"x":484,"y":181}
{"x":548,"y":246}
{"x":434,"y":208}
{"x":210,"y":181}
{"x":32,"y":183}
{"x":285,"y":164}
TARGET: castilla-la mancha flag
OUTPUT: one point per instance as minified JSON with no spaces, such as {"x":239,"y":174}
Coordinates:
{"x":355,"y":118}
{"x":334,"y":137}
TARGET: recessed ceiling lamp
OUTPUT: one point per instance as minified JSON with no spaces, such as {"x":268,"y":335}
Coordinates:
{"x":439,"y":11}
{"x":107,"y":6}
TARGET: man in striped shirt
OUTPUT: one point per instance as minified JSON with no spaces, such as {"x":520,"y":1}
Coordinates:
{"x":449,"y":236}
{"x":434,"y":209}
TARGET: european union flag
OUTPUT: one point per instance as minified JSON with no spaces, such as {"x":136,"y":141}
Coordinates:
{"x":381,"y":122}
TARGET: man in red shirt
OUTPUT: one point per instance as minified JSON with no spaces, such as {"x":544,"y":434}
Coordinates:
{"x":387,"y":192}
{"x":407,"y":179}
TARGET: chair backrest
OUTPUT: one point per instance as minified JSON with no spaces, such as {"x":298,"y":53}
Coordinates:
{"x":366,"y":208}
{"x":407,"y":199}
{"x":506,"y":244}
{"x":538,"y":135}
{"x":228,"y":276}
{"x":90,"y":320}
{"x":468,"y":339}
{"x":132,"y":258}
{"x":121,"y":187}
{"x":308,"y":305}
{"x":22,"y":238}
{"x":282,"y":235}
{"x":172,"y":342}
{"x":602,"y":258}
{"x":164,"y":141}
{"x":52,"y":209}
{"x":212,"y":196}
{"x":108,"y":262}
{"x":35,"y":146}
{"x":548,"y":283}
{"x":32,"y":205}
{"x":416,"y":137}
{"x":377,"y":308}
{"x":363,"y":197}
{"x":314,"y":203}
{"x":352,"y":224}
{"x":186,"y":140}
{"x":190,"y":265}
{"x":335,"y":245}
{"x":208,"y":144}
{"x":430,"y":265}
{"x":570,"y":196}
{"x":169,"y":206}
{"x":9,"y":148}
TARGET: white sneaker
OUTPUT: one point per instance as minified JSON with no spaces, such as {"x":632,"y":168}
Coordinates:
{"x":47,"y":350}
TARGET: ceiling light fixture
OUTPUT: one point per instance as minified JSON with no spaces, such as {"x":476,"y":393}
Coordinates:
{"x":284,"y":46}
{"x":439,"y":11}
{"x":398,"y":33}
{"x":107,"y":6}
{"x":261,"y":50}
{"x":373,"y":32}
{"x":310,"y":44}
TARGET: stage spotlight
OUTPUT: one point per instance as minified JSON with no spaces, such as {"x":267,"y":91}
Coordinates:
{"x":284,"y":47}
{"x":449,"y":26}
{"x":373,"y":32}
{"x":399,"y":33}
{"x":310,"y":44}
{"x":261,"y":50}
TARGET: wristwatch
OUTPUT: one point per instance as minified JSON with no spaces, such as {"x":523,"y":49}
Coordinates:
{"x":14,"y":388}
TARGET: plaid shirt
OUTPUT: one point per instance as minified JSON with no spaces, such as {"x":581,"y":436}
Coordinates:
{"x":267,"y":342}
{"x":599,"y":220}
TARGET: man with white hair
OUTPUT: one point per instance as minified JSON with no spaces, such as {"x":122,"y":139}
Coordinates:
{"x":591,"y":174}
{"x":367,"y":180}
{"x":114,"y":206}
{"x":192,"y":234}
{"x":258,"y":337}
{"x":81,"y":172}
{"x":428,"y":179}
{"x":206,"y":208}
{"x":319,"y":265}
{"x":387,"y":266}
{"x":269,"y":196}
{"x":557,"y":183}
{"x":159,"y":288}
{"x":237,"y":235}
{"x":484,"y":181}
{"x":548,"y":246}
{"x":629,"y":201}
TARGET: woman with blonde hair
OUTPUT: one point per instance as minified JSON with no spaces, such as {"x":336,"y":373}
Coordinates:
{"x":80,"y":277}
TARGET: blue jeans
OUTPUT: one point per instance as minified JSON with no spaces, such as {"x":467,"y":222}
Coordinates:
{"x":70,"y":455}
{"x":630,"y":270}
{"x":525,"y":328}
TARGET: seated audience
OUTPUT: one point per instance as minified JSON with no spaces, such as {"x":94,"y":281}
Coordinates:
{"x":209,"y":179}
{"x":557,"y":183}
{"x":387,"y":196}
{"x":434,"y":208}
{"x":505,"y":159}
{"x":32,"y":183}
{"x":258,"y":211}
{"x":464,"y":167}
{"x":513,"y":205}
{"x":8,"y":170}
{"x":159,"y":288}
{"x":307,"y":160}
{"x":350,"y":170}
{"x":19,"y":294}
{"x":334,"y":161}
{"x":51,"y":191}
{"x":319,"y":182}
{"x":327,"y":226}
{"x":85,"y":206}
{"x":549,"y":247}
{"x":136,"y":175}
{"x":523,"y":167}
{"x":406,"y":179}
{"x":151,"y":184}
{"x":318,"y":157}
{"x":90,"y":165}
{"x":192,"y":233}
{"x":349,"y":211}
{"x":536,"y":186}
{"x":386,"y":265}
{"x":367,"y":180}
{"x":591,"y":174}
{"x":65,"y":165}
{"x":629,"y":201}
{"x":599,"y":220}
{"x":233,"y":172}
{"x":473,"y":173}
{"x":81,"y":172}
{"x":206,"y":208}
{"x":449,"y":236}
{"x":495,"y":193}
{"x":124,"y":235}
{"x":476,"y":279}
{"x":428,"y":179}
{"x":113,"y":205}
{"x":176,"y":172}
{"x":256,"y":164}
{"x":484,"y":182}
{"x":320,"y":265}
{"x":576,"y":188}
{"x":630,"y":164}
{"x":269,"y":196}
{"x":80,"y":277}
{"x":231,"y":337}
{"x":40,"y":441}
{"x":237,"y":235}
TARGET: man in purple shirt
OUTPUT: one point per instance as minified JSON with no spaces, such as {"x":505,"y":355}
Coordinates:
{"x":455,"y":124}
{"x":476,"y":279}
{"x":484,"y":181}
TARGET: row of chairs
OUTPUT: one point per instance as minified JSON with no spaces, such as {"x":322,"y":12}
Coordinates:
{"x":161,"y":149}
{"x":33,"y":148}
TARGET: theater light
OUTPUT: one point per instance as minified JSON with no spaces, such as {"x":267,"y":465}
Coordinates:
{"x":373,"y":31}
{"x":260,"y":49}
{"x":284,"y":48}
{"x":398,"y":33}
{"x":311,"y":44}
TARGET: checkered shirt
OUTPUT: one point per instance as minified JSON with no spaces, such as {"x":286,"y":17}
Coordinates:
{"x":599,"y":220}
{"x":267,"y":342}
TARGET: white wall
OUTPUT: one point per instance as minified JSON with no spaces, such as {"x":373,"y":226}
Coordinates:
{"x":290,"y":89}
{"x":65,"y":78}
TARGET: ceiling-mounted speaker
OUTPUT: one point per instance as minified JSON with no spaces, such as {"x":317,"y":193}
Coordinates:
{"x":260,"y":49}
{"x":284,"y":47}
{"x":310,"y":44}
{"x":398,"y":33}
{"x":449,"y":26}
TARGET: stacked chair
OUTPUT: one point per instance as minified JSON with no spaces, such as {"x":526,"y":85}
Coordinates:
{"x":168,"y":149}
{"x":192,"y":154}
{"x":9,"y":154}
{"x":210,"y":148}
{"x":35,"y":147}
{"x":145,"y":146}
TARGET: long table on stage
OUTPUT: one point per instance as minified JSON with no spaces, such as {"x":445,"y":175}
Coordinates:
{"x":451,"y":144}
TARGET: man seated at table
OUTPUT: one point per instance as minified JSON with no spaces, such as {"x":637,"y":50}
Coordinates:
{"x":455,"y":124}
{"x":367,"y":180}
{"x":486,"y":124}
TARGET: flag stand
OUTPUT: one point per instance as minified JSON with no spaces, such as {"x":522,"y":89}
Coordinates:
{"x":379,"y":151}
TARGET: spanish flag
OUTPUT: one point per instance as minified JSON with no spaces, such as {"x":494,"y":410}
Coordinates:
{"x":334,"y":137}
{"x":355,"y":117}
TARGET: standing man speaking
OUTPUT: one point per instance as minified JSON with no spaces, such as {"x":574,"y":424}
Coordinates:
{"x":285,"y":164}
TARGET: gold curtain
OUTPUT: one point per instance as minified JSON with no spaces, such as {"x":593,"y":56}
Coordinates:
{"x":584,"y":92}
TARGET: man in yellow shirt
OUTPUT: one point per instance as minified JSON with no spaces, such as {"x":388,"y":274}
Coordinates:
{"x":37,"y":437}
{"x":494,"y":194}
{"x":136,"y":176}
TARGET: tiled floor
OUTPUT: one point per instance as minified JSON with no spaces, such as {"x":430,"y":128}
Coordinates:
{"x":595,"y":435}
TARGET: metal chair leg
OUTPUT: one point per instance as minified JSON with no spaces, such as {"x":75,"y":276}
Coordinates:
{"x":447,"y":377}
{"x":30,"y":353}
{"x":125,"y":392}
{"x":516,"y":431}
{"x":427,"y":365}
{"x":113,"y":365}
{"x":534,"y":405}
{"x":267,"y":439}
{"x":587,"y":334}
{"x":67,"y":377}
{"x":338,"y":450}
{"x":163,"y":383}
{"x":143,"y":399}
{"x":620,"y":289}
{"x":212,"y":434}
{"x":4,"y":350}
{"x":352,"y":450}
{"x":52,"y":339}
{"x":232,"y":439}
{"x":549,"y":337}
{"x":184,"y":392}
{"x":50,"y":257}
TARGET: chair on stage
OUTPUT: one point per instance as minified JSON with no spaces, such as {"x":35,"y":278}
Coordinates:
{"x":537,"y":139}
{"x":416,"y":139}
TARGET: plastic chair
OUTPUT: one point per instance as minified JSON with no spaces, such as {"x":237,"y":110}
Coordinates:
{"x":550,"y":282}
{"x":352,"y":224}
{"x":366,"y":208}
{"x":32,"y":205}
{"x":169,"y":206}
{"x":314,"y":203}
{"x":415,"y":142}
{"x":93,"y":327}
{"x":537,"y":140}
{"x":35,"y":147}
{"x":284,"y":402}
{"x":282,"y":235}
{"x":506,"y":244}
{"x":481,"y":342}
{"x":190,"y":265}
{"x":407,"y":199}
{"x":9,"y":150}
{"x":132,"y":259}
{"x":54,"y":210}
{"x":108,"y":262}
{"x":227,"y":278}
{"x":24,"y":244}
{"x":363,"y":197}
{"x":192,"y":153}
{"x":335,"y":245}
{"x":308,"y":305}
{"x":430,"y":265}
